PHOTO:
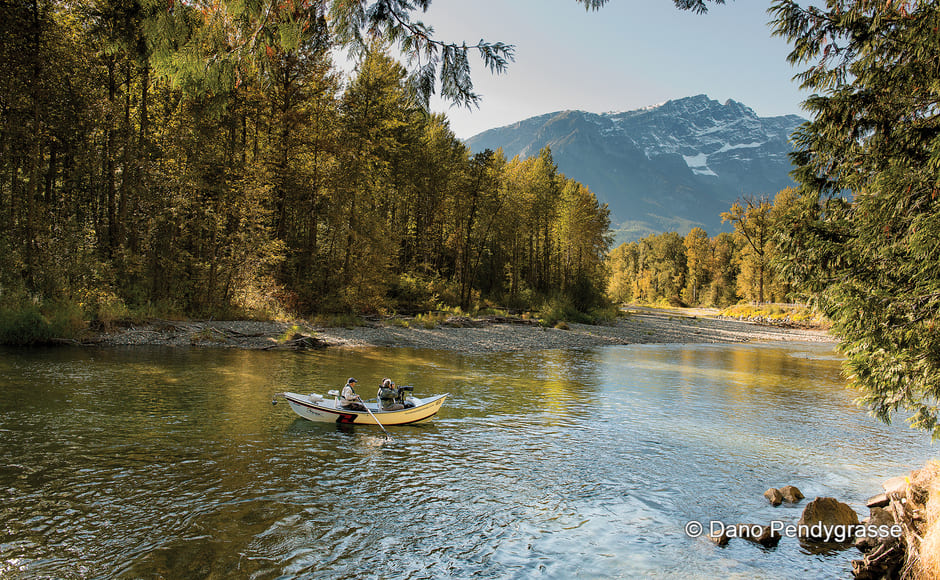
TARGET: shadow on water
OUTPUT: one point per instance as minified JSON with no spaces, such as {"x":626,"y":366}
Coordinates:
{"x":300,"y":426}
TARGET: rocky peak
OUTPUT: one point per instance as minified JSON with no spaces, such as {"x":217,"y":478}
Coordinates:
{"x":671,"y":166}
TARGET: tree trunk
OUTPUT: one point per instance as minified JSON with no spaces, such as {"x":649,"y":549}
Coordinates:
{"x":109,"y":163}
{"x":142,"y":157}
{"x":760,"y":291}
{"x":128,"y":171}
{"x":36,"y":149}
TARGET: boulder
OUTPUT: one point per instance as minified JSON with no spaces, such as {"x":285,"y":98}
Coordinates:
{"x":895,"y":485}
{"x":881,"y":500}
{"x":791,"y":494}
{"x":721,"y":539}
{"x":774,"y":496}
{"x":762,"y":535}
{"x":881,"y":517}
{"x":758,"y":534}
{"x":824,"y":514}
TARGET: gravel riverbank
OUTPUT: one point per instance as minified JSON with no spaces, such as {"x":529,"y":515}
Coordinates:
{"x":639,"y":326}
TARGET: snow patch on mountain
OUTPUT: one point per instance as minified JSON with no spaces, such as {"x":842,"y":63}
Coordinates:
{"x":699,"y":164}
{"x":665,"y":167}
{"x":695,"y":128}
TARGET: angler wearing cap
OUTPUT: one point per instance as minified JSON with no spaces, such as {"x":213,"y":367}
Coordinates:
{"x":349,"y":400}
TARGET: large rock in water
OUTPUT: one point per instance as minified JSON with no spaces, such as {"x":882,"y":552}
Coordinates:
{"x":827,"y":519}
{"x":787,"y":493}
{"x":791,"y":494}
{"x":774,"y":496}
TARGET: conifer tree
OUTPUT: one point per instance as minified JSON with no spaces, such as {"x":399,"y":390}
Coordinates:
{"x":205,"y":45}
{"x":864,"y":234}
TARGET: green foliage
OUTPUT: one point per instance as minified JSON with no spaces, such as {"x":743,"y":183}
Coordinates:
{"x":871,"y":258}
{"x":430,"y":320}
{"x":213,"y":46}
{"x":105,"y":308}
{"x":24,"y":327}
{"x":414,"y":292}
{"x":558,"y":310}
{"x":210,"y":161}
{"x":66,"y":319}
{"x":289,"y":334}
{"x":753,"y":229}
{"x":650,"y":269}
{"x":342,"y":320}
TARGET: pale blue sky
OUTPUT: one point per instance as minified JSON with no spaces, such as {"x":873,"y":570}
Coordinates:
{"x":627,"y":55}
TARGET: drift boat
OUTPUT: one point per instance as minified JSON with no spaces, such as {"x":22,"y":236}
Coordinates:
{"x":317,"y":408}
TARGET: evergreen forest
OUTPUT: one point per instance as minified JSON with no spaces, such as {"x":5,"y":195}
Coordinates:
{"x":138,"y":175}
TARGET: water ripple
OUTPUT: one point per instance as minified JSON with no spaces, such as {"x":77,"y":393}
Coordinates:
{"x":547,"y":465}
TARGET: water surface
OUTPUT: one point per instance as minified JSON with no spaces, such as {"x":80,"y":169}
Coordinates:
{"x":143,"y":463}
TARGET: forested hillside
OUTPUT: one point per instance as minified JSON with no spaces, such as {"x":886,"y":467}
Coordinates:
{"x":137,"y":177}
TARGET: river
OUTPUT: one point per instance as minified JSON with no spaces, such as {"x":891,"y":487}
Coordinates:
{"x":172,"y":463}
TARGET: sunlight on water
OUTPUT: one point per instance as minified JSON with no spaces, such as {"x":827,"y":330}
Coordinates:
{"x":173,"y":463}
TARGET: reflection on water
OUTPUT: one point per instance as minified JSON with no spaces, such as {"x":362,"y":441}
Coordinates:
{"x":173,"y":463}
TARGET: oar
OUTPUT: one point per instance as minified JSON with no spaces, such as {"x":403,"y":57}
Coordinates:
{"x":387,"y":436}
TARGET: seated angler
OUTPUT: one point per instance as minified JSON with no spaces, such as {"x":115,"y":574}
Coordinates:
{"x":388,"y":395}
{"x":349,"y":400}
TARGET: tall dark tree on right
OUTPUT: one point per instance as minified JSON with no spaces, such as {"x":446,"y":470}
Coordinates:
{"x":865,"y":236}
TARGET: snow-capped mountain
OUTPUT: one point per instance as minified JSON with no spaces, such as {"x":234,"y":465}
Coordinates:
{"x":668,"y":167}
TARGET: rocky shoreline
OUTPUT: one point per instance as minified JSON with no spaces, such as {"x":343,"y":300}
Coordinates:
{"x":474,"y":335}
{"x":904,"y":503}
{"x":900,"y":537}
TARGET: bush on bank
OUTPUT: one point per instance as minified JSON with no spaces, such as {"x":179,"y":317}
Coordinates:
{"x":24,"y":327}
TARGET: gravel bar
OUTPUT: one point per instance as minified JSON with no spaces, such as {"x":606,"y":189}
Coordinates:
{"x":639,"y":325}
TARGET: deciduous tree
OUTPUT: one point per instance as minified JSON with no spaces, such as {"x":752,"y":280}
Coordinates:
{"x":753,"y":227}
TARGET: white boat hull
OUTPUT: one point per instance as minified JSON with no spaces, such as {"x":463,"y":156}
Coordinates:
{"x":316,"y":408}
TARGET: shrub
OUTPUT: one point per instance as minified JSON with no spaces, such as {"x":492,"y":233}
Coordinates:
{"x":24,"y":327}
{"x":560,"y":309}
{"x":605,"y":314}
{"x":431,"y":319}
{"x":66,"y":319}
{"x":337,"y":321}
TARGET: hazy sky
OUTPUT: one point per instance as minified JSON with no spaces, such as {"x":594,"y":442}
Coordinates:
{"x":627,"y":55}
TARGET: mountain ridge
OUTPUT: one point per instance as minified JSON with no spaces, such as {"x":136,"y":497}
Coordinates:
{"x":667,"y":167}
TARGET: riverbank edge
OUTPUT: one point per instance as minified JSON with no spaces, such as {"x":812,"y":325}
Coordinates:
{"x":911,"y":502}
{"x":638,"y":325}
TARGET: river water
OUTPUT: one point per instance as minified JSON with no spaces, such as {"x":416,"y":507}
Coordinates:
{"x":172,"y":463}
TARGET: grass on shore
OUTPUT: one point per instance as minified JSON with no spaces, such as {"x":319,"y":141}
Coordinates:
{"x":926,"y":561}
